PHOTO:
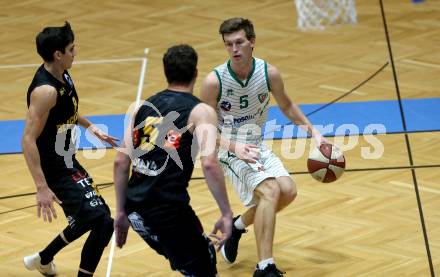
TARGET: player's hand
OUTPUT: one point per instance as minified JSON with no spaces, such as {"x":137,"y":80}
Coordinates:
{"x":45,"y":199}
{"x":103,"y":136}
{"x":224,"y":225}
{"x":249,"y":153}
{"x":121,"y":226}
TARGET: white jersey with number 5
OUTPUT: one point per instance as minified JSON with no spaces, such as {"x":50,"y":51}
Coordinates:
{"x":242,"y":107}
{"x":242,"y":104}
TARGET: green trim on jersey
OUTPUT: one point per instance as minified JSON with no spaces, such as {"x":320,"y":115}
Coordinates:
{"x":220,"y":88}
{"x":225,"y":163}
{"x":267,"y":75}
{"x":235,"y":76}
{"x":265,"y":105}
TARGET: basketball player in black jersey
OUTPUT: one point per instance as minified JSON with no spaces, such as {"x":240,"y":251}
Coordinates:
{"x":155,"y":200}
{"x":49,"y":152}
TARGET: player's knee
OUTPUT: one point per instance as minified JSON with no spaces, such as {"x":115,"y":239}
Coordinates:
{"x":289,"y":194}
{"x":108,"y":228}
{"x":269,"y":190}
{"x":105,"y":230}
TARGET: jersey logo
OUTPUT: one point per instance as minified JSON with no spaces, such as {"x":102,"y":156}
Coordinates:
{"x":172,"y":139}
{"x":229,"y":92}
{"x":135,"y":137}
{"x":262,"y":97}
{"x":226,"y":106}
{"x":156,"y":131}
{"x":62,"y":91}
{"x":69,"y":81}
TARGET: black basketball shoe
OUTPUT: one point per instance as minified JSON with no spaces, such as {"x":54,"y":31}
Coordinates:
{"x":230,"y":248}
{"x":270,"y":271}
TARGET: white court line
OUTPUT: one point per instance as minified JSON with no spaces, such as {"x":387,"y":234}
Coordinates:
{"x":341,"y":89}
{"x":141,"y":77}
{"x":425,"y":64}
{"x":104,"y":61}
{"x":110,"y":256}
{"x":411,"y":186}
{"x":138,"y":98}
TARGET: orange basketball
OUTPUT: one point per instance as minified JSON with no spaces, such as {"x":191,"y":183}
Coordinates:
{"x":326,"y":163}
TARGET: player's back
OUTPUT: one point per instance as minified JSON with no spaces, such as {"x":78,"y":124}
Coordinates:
{"x":162,"y":161}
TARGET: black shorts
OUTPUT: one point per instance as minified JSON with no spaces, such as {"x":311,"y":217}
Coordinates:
{"x":81,"y":201}
{"x":178,"y":235}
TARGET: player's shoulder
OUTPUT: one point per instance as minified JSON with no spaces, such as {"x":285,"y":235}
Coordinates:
{"x":211,"y":78}
{"x":272,"y":69}
{"x":210,"y":86}
{"x":203,"y":112}
{"x":273,"y":73}
{"x":44,"y":91}
{"x":203,"y":109}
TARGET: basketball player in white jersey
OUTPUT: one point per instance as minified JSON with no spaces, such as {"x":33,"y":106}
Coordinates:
{"x":239,"y":90}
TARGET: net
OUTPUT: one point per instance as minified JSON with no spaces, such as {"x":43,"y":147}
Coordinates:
{"x":318,"y":14}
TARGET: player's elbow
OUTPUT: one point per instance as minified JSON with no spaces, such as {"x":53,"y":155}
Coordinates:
{"x":122,"y":163}
{"x":210,"y":163}
{"x":26,"y":140}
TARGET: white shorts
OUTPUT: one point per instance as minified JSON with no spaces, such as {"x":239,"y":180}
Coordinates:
{"x":245,"y":177}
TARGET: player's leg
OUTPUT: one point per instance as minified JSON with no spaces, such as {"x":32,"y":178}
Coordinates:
{"x":138,"y":224}
{"x":71,"y":195}
{"x":191,"y":253}
{"x":100,"y":234}
{"x":43,"y":261}
{"x":273,"y":167}
{"x":288,"y":191}
{"x":268,"y":194}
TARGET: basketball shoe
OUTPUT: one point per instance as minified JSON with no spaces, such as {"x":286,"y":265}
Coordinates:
{"x":230,"y":248}
{"x":270,"y":271}
{"x":33,"y":262}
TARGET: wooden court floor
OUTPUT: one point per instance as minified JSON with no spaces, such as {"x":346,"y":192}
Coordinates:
{"x":367,"y":223}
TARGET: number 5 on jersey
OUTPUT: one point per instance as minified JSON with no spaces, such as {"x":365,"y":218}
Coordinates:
{"x":148,"y":140}
{"x":244,"y":103}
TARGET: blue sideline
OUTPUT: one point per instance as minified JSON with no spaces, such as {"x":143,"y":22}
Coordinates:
{"x":351,"y":118}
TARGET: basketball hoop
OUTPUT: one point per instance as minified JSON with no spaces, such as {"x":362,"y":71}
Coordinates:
{"x":318,"y":14}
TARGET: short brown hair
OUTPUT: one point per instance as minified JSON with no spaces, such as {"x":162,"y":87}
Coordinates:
{"x":180,"y":64}
{"x":235,"y":24}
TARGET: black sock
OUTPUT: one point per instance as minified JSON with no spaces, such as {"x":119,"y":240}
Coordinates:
{"x":49,"y":252}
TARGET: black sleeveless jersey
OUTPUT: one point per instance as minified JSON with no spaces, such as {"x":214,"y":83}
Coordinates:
{"x":162,"y":158}
{"x":57,"y":152}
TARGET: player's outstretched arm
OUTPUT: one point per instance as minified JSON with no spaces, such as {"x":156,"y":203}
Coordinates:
{"x":290,"y":109}
{"x":83,"y":121}
{"x":43,"y":98}
{"x":205,"y":120}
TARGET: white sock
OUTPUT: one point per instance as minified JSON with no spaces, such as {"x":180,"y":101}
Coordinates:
{"x":262,"y":264}
{"x":239,"y":224}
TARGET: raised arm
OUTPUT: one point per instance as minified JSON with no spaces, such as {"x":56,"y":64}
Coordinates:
{"x":205,"y":121}
{"x":43,"y":98}
{"x":290,"y":109}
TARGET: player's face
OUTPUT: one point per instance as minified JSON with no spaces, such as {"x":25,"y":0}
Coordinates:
{"x":68,"y":56}
{"x":239,"y":47}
